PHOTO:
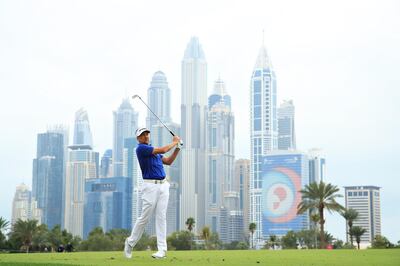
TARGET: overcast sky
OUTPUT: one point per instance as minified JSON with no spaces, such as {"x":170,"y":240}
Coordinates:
{"x":339,"y":61}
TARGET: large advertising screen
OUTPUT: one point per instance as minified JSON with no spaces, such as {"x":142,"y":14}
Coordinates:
{"x":281,"y":183}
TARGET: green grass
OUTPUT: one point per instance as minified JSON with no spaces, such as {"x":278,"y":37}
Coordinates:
{"x":210,"y":258}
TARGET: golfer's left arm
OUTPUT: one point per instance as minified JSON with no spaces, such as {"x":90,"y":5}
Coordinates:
{"x":170,"y":159}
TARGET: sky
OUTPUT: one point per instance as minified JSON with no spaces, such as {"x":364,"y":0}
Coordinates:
{"x":337,"y":60}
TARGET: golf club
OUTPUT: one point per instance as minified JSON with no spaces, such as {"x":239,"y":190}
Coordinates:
{"x":170,"y":131}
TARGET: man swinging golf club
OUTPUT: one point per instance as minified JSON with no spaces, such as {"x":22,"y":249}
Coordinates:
{"x":155,"y":190}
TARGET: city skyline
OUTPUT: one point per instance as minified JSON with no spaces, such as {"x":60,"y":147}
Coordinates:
{"x":305,"y":67}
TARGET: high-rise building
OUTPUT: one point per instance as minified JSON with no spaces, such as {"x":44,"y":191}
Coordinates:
{"x":159,"y":100}
{"x":366,"y":201}
{"x":242,"y":177}
{"x":284,"y":174}
{"x":317,"y":165}
{"x":193,"y":133}
{"x":125,"y":124}
{"x":108,"y":204}
{"x":286,"y":132}
{"x":263,"y":131}
{"x":48,"y":177}
{"x":221,"y":190}
{"x":106,"y":164}
{"x":24,"y":207}
{"x":81,"y":166}
{"x":82,"y":133}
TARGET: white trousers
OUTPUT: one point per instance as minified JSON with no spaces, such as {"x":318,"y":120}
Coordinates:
{"x":155,"y":198}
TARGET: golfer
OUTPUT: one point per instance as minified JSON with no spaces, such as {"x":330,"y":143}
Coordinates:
{"x":155,"y":191}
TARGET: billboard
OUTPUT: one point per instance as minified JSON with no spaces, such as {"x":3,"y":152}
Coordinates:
{"x":283,"y":176}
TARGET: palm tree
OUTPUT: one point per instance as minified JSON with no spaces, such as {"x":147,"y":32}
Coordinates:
{"x":357,"y":232}
{"x":315,"y":219}
{"x":25,"y":230}
{"x":205,"y":234}
{"x":252,"y":228}
{"x":272,"y":240}
{"x":190,"y":222}
{"x":320,"y":196}
{"x":350,"y":215}
{"x":3,"y":224}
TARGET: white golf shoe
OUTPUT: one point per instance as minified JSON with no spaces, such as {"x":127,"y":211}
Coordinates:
{"x":161,"y":254}
{"x":127,"y":250}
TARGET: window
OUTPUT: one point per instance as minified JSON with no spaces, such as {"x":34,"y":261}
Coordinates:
{"x":350,"y":194}
{"x":365,"y":193}
{"x":257,"y":86}
{"x":257,"y":112}
{"x":257,"y":124}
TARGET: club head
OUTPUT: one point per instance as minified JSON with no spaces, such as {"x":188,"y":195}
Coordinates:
{"x":135,"y":96}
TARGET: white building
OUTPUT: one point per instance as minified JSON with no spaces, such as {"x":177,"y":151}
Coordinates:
{"x":367,"y":202}
{"x":81,"y":165}
{"x":193,"y":133}
{"x":263,"y":131}
{"x":24,"y":207}
{"x":317,"y":165}
{"x":221,"y":157}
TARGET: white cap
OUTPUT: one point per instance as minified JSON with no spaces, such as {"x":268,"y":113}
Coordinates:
{"x":139,"y":131}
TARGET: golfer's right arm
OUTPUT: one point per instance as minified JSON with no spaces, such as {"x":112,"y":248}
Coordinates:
{"x":167,"y":148}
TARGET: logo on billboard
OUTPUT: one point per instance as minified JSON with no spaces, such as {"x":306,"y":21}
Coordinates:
{"x":280,"y":194}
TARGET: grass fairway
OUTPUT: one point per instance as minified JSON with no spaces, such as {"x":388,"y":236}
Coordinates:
{"x":227,"y":258}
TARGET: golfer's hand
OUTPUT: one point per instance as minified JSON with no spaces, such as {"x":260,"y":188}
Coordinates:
{"x":176,"y":139}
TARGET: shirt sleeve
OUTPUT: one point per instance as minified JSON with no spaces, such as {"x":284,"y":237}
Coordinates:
{"x":145,"y":150}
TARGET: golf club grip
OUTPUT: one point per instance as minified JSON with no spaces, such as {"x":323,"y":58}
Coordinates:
{"x":180,"y":141}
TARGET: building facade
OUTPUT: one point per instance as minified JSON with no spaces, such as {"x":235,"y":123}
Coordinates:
{"x":48,"y":177}
{"x":366,"y":200}
{"x":81,"y":166}
{"x":284,"y":174}
{"x":263,"y":132}
{"x":108,"y":204}
{"x":193,"y":134}
{"x":24,"y":206}
{"x":125,"y":125}
{"x":286,"y":126}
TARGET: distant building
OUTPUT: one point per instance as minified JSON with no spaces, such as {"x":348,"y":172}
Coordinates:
{"x":286,"y":129}
{"x":81,"y":166}
{"x":108,"y":204}
{"x":366,"y":200}
{"x":317,"y":165}
{"x":24,"y":207}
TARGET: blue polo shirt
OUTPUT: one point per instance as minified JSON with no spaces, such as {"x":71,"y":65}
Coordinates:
{"x":150,"y":164}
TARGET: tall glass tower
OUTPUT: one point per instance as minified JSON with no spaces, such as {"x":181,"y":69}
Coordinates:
{"x":263,"y":131}
{"x":82,"y":133}
{"x":48,"y":177}
{"x":125,"y":124}
{"x":193,"y":133}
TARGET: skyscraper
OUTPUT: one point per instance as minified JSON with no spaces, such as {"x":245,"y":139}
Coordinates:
{"x":159,"y":100}
{"x":125,"y":124}
{"x":82,"y":133}
{"x":286,"y":132}
{"x":193,"y":133}
{"x":242,"y":176}
{"x":366,"y":201}
{"x":24,"y":207}
{"x":81,"y":166}
{"x":317,"y":165}
{"x":263,"y":130}
{"x":221,"y":156}
{"x":48,"y":177}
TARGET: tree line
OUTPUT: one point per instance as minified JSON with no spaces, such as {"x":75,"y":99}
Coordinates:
{"x":28,"y":236}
